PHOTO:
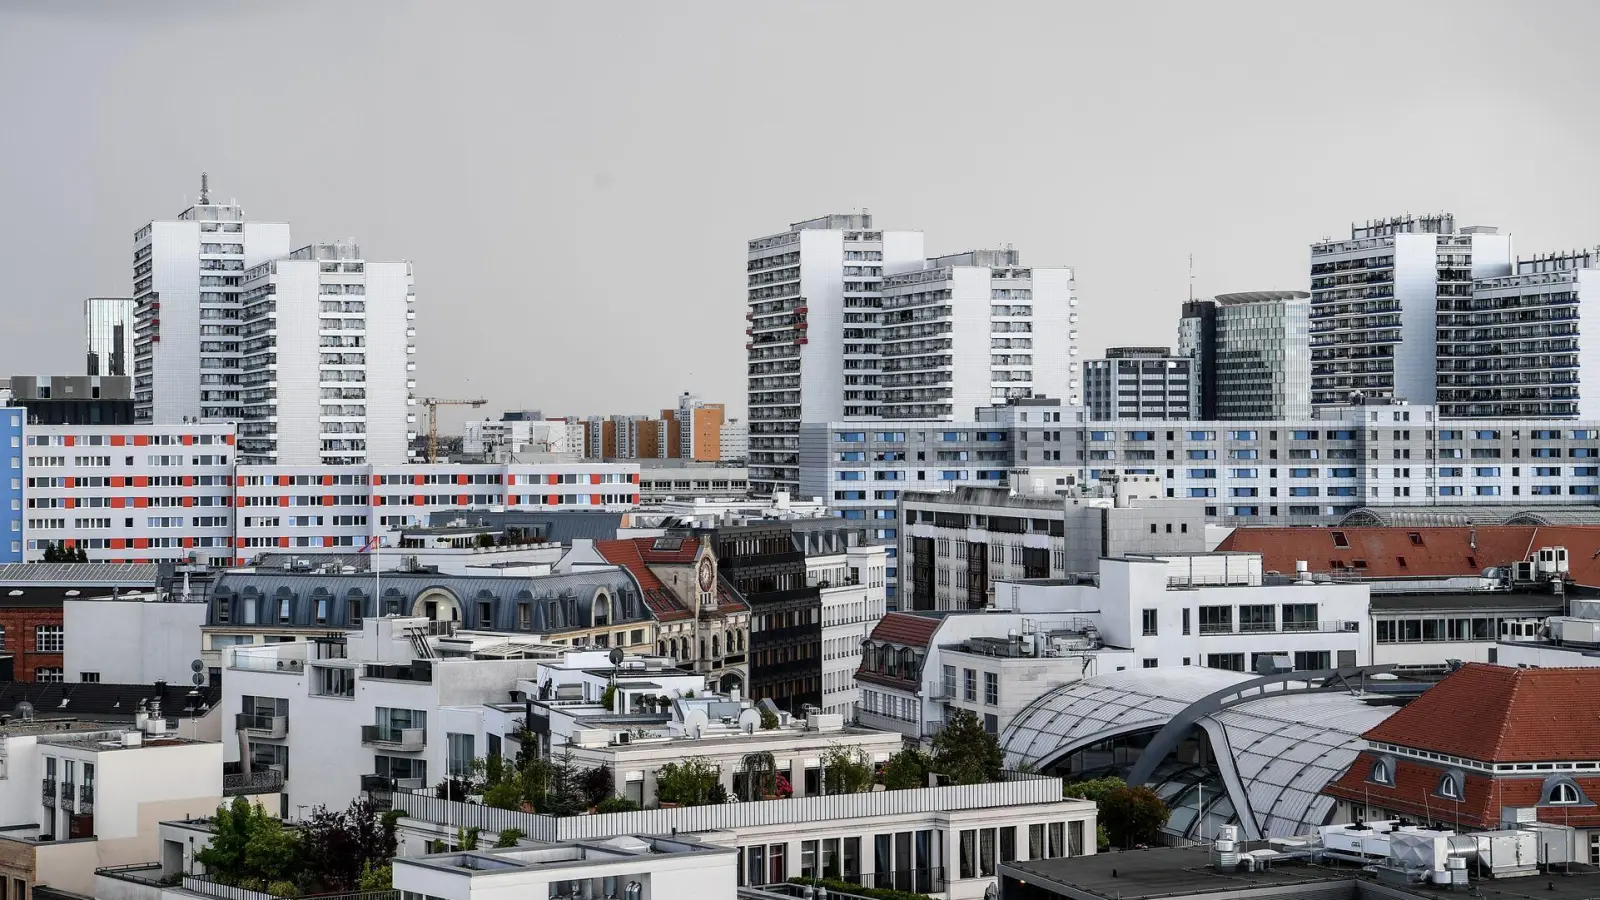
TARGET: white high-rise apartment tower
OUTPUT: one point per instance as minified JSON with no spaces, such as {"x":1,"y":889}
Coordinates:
{"x":187,"y":274}
{"x":814,"y":312}
{"x":108,"y":335}
{"x":975,"y":329}
{"x":328,"y":355}
{"x":1376,"y":298}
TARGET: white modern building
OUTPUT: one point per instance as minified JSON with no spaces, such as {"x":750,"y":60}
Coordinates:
{"x":77,"y":796}
{"x":133,"y":638}
{"x":1515,"y":348}
{"x":973,"y":329}
{"x":814,"y":312}
{"x":327,"y":359}
{"x":188,"y":273}
{"x":1251,"y":353}
{"x":520,"y":434}
{"x":852,"y":584}
{"x":638,"y":867}
{"x":108,"y":335}
{"x":1139,"y":383}
{"x":1142,"y":611}
{"x":956,"y":545}
{"x":1376,"y":300}
{"x":735,"y":441}
{"x":945,"y":842}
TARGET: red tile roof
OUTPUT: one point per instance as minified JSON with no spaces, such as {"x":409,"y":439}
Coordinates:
{"x":1415,"y":792}
{"x":638,"y":554}
{"x":1398,"y":552}
{"x":1500,"y":714}
{"x":906,"y":629}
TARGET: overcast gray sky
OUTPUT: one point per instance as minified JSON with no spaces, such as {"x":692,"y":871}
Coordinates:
{"x":575,"y":182}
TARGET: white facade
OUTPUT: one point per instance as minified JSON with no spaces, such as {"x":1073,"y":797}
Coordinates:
{"x":849,"y":610}
{"x":127,"y":493}
{"x":1516,"y":347}
{"x":640,"y":868}
{"x":187,"y":278}
{"x":735,"y":441}
{"x":328,"y":359}
{"x":1376,"y":300}
{"x":132,"y":639}
{"x":814,"y":312}
{"x":973,"y":329}
{"x":108,"y":334}
{"x":327,"y":714}
{"x":98,"y":792}
{"x":504,"y":440}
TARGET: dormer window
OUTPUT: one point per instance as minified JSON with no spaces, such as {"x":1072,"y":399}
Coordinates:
{"x":1563,"y":792}
{"x":1381,"y":773}
{"x":1449,"y":787}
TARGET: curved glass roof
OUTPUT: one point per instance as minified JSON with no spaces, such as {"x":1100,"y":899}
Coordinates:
{"x":1275,"y":753}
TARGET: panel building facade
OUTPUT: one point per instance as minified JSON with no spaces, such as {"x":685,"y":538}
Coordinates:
{"x":1139,"y":383}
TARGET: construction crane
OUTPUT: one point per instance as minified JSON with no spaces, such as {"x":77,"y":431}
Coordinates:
{"x":433,"y":404}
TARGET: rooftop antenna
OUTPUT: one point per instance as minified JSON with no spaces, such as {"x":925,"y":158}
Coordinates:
{"x":205,"y":188}
{"x":1191,"y":277}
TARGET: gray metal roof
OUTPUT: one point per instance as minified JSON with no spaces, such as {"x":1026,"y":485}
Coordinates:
{"x":80,"y":575}
{"x":558,"y":527}
{"x":1276,"y":753}
{"x":554,"y":603}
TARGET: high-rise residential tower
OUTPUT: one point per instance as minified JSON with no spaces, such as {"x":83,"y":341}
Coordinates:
{"x":1376,"y":299}
{"x":1518,"y":348}
{"x":327,"y":359}
{"x":187,"y":275}
{"x":974,"y":329}
{"x":1251,"y":354}
{"x":108,"y":335}
{"x":814,"y":313}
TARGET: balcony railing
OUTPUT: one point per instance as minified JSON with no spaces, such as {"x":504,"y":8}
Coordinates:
{"x":275,"y":727}
{"x":86,"y":798}
{"x":69,"y":793}
{"x":406,"y":740}
{"x":266,"y":781}
{"x":385,"y":783}
{"x":1330,"y":627}
{"x":48,"y":794}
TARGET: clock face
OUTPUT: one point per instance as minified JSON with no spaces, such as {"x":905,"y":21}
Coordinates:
{"x":707,"y":576}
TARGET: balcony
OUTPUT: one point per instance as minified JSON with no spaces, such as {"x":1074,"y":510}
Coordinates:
{"x":49,"y":792}
{"x":267,"y":781}
{"x":1334,"y":626}
{"x":69,"y":794}
{"x":405,"y":740}
{"x":272,"y":727}
{"x":384,"y":783}
{"x":86,"y":799}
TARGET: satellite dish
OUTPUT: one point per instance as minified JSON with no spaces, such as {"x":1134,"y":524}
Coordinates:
{"x":749,"y":720}
{"x":695,"y":722}
{"x":616,"y":656}
{"x":196,"y":665}
{"x":198,"y":679}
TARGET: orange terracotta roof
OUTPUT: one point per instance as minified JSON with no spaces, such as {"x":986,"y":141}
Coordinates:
{"x":1399,"y":552}
{"x":638,"y":554}
{"x":1501,"y":714}
{"x":906,"y":629}
{"x":1415,"y":792}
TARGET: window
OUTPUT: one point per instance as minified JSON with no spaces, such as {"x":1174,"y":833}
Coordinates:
{"x":48,"y":675}
{"x":1149,"y":617}
{"x":1186,"y":620}
{"x":1148,"y":663}
{"x":89,"y":677}
{"x":1339,"y":540}
{"x":1311,"y":660}
{"x":1380,"y":773}
{"x":47,"y":639}
{"x":1216,"y":619}
{"x":991,"y":689}
{"x":969,"y":685}
{"x":460,"y":754}
{"x":1564,"y":793}
{"x":1449,"y":788}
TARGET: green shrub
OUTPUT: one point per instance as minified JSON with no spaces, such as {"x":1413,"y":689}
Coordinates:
{"x":836,"y":886}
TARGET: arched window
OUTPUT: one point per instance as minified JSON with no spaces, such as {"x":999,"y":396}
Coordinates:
{"x":1564,"y":793}
{"x":1449,"y":787}
{"x":716,"y":646}
{"x":1381,"y":773}
{"x":661,"y":648}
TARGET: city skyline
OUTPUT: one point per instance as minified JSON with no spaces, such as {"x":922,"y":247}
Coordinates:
{"x":1200,"y":147}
